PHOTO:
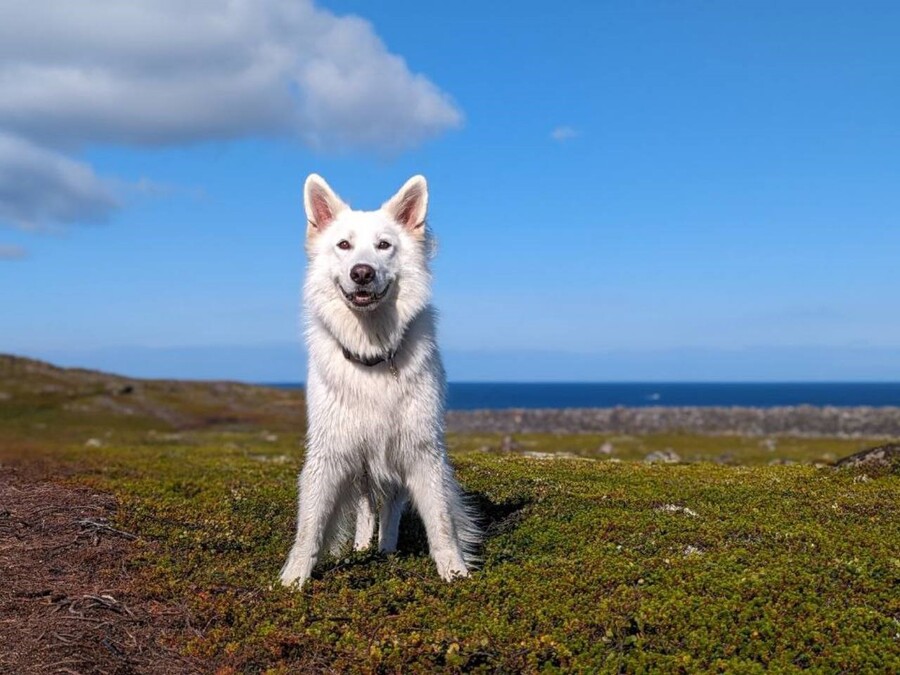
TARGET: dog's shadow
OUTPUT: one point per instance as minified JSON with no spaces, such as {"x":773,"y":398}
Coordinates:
{"x":493,"y":518}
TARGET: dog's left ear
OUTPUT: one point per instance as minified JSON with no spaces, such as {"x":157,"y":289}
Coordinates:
{"x":409,"y":206}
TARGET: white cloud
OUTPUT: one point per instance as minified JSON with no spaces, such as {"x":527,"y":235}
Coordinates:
{"x":12,"y":252}
{"x":563,"y":134}
{"x":168,"y":72}
{"x":39,"y":187}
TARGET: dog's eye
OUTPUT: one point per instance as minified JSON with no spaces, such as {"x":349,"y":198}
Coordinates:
{"x":344,"y":245}
{"x":384,"y":245}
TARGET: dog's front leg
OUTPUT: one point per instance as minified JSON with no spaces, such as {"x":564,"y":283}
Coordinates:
{"x":389,"y":519}
{"x":320,"y":484}
{"x":435,"y":494}
{"x":365,"y":516}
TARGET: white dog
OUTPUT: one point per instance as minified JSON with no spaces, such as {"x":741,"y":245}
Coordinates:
{"x":375,"y":388}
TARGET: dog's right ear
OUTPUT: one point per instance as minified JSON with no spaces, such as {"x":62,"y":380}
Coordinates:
{"x":322,"y":205}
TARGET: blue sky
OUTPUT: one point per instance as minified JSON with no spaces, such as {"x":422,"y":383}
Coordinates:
{"x":677,"y":180}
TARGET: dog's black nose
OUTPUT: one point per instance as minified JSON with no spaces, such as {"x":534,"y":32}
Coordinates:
{"x":362,"y":274}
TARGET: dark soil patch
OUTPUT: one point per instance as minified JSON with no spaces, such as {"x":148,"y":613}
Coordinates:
{"x":68,"y":602}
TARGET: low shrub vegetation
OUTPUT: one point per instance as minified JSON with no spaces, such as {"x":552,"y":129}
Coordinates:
{"x":587,"y":565}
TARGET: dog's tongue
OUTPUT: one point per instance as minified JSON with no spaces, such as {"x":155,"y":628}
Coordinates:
{"x":363,"y":296}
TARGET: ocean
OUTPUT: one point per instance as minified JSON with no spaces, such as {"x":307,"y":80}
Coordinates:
{"x":499,"y":395}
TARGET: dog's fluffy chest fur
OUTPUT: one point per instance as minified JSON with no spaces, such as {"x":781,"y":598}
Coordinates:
{"x":372,"y":405}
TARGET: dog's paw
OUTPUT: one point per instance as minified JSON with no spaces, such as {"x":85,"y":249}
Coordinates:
{"x":452,"y":574}
{"x":290,"y":580}
{"x":451,"y":567}
{"x":295,"y":572}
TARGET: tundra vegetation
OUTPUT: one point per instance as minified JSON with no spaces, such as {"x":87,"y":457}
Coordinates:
{"x":736,"y":554}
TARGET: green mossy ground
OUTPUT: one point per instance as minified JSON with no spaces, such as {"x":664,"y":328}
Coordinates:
{"x":588,"y":565}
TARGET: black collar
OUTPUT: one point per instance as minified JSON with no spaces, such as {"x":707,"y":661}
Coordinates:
{"x":363,"y":361}
{"x":372,"y":361}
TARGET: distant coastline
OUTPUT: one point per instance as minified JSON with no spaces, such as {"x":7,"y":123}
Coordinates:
{"x":533,"y":396}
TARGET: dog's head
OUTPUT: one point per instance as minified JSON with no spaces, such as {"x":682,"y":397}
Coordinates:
{"x":365,"y":257}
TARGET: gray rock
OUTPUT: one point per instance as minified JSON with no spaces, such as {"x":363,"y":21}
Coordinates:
{"x":883,"y":455}
{"x":803,"y":420}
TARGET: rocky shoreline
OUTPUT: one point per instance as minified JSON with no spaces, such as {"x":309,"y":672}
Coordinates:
{"x":788,"y":421}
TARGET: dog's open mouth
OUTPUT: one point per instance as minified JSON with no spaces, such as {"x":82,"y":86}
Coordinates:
{"x":364,"y":298}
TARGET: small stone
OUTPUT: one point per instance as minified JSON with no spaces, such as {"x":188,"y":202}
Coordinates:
{"x":674,"y":508}
{"x":667,"y":456}
{"x":509,"y":444}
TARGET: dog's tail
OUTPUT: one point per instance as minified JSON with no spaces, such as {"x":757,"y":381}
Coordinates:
{"x":466,"y":519}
